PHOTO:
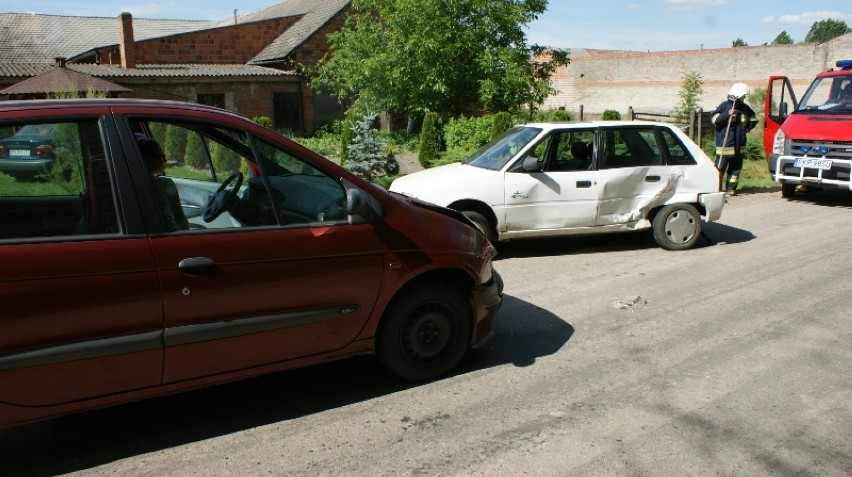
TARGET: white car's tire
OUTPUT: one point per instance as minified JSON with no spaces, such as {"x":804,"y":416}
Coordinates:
{"x":677,"y":227}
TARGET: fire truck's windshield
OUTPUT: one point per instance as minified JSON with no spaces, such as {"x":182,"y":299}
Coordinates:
{"x":832,"y":94}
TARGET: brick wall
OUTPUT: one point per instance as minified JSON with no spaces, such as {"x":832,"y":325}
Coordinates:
{"x":315,"y":47}
{"x":235,"y":44}
{"x":600,"y":79}
{"x":249,"y":98}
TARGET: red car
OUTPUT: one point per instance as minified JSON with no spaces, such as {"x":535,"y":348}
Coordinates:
{"x":189,"y":246}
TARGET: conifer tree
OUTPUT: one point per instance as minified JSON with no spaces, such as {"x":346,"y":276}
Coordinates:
{"x":370,"y":157}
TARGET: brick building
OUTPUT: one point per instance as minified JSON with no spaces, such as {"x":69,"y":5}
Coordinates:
{"x":249,"y":64}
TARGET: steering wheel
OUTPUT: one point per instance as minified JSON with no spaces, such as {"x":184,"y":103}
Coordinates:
{"x":223,"y":198}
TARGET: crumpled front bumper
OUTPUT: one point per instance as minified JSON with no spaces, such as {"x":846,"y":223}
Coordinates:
{"x":490,"y":296}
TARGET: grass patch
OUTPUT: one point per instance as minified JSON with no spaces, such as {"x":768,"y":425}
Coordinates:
{"x":755,"y":175}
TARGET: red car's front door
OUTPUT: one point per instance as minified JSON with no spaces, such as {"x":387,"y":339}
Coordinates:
{"x":271,"y":269}
{"x":249,"y":298}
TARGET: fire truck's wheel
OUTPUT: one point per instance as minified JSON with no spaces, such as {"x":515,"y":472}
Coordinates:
{"x":677,"y":227}
{"x":788,"y":190}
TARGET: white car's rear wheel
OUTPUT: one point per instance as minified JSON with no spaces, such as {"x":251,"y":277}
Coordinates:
{"x":677,"y":227}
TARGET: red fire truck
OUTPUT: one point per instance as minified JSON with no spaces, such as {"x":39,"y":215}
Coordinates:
{"x":809,"y":142}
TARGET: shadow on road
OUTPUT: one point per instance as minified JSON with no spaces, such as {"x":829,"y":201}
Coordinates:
{"x":576,"y":244}
{"x":825,"y":198}
{"x":716,"y":233}
{"x":85,"y":440}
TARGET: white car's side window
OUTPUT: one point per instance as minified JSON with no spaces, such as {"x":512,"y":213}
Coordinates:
{"x":630,"y":147}
{"x":571,"y":150}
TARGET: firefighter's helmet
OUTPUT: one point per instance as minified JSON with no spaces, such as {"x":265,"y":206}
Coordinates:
{"x":738,"y":90}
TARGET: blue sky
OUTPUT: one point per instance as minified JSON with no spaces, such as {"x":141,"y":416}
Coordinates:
{"x":657,"y":25}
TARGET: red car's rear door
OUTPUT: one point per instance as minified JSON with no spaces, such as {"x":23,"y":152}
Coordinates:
{"x":82,"y":311}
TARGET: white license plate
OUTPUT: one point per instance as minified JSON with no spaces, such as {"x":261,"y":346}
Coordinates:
{"x":19,"y":152}
{"x":824,"y":164}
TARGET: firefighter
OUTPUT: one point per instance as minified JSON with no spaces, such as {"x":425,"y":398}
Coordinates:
{"x":732,"y":120}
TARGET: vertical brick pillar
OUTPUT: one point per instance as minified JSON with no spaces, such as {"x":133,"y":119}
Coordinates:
{"x":126,"y":45}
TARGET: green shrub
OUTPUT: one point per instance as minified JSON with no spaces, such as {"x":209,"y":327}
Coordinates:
{"x":347,"y":134}
{"x":551,"y":115}
{"x":467,"y":133}
{"x":611,"y":115}
{"x":194,"y":155}
{"x":500,"y":122}
{"x":327,"y":146}
{"x":430,"y":139}
{"x":384,"y":181}
{"x":225,"y":160}
{"x":450,"y":156}
{"x":175,"y":144}
{"x":264,"y":121}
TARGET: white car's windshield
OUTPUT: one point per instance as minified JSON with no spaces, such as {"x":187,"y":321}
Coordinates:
{"x":501,"y":150}
{"x":829,"y":94}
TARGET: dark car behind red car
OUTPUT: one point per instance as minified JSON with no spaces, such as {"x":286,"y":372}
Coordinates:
{"x":28,"y":151}
{"x":271,"y":258}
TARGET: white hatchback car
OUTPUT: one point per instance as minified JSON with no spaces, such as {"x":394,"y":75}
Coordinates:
{"x":553,"y":179}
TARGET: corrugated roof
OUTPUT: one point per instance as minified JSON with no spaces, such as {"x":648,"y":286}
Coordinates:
{"x":35,"y":38}
{"x":114,"y":71}
{"x":61,"y":79}
{"x":314,"y":14}
{"x":141,"y":71}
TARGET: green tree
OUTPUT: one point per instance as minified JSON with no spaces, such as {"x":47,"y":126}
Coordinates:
{"x":756,"y":99}
{"x":690,"y":96}
{"x":430,"y":139}
{"x":783,"y":38}
{"x":446,"y":56}
{"x":825,"y":30}
{"x":175,"y":144}
{"x":368,"y":156}
{"x":195,"y":155}
{"x":739,"y":42}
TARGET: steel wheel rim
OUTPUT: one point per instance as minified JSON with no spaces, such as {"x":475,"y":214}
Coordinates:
{"x":428,"y":333}
{"x":680,"y":227}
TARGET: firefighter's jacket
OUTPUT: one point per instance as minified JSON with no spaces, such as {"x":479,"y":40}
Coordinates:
{"x":744,"y":120}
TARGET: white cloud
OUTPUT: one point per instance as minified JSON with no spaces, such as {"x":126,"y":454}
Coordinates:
{"x":634,"y":6}
{"x":806,"y":18}
{"x":693,"y":4}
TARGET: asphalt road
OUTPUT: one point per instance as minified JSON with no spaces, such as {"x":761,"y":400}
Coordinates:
{"x":615,"y":357}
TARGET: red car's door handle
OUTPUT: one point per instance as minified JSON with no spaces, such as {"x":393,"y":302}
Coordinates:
{"x":197,"y":265}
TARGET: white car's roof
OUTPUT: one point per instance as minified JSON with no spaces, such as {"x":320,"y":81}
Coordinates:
{"x":594,"y":124}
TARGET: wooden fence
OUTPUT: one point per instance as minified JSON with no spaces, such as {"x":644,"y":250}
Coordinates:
{"x":698,"y":128}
